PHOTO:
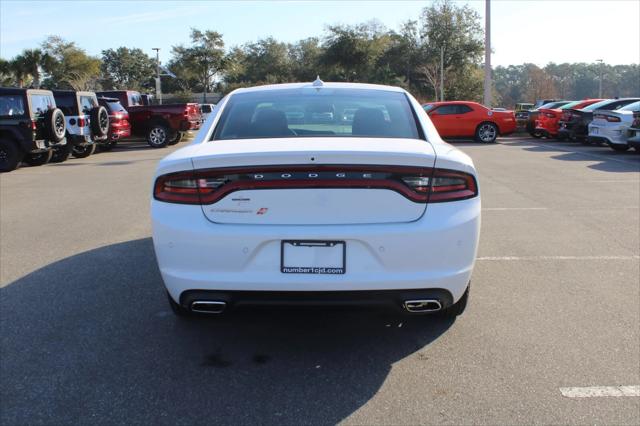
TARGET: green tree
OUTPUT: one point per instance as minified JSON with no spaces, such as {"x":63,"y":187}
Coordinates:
{"x":71,"y":67}
{"x":352,"y":52}
{"x":202,"y":60}
{"x":125,"y":68}
{"x":450,"y":32}
{"x":32,"y":63}
{"x":6,"y":73}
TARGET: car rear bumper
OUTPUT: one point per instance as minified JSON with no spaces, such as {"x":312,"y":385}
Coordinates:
{"x":190,"y":125}
{"x":391,"y":299}
{"x":616,"y":135}
{"x":435,"y":252}
{"x":119,"y":134}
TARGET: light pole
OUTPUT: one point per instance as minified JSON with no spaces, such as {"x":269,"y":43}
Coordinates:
{"x":158,"y":86}
{"x":441,"y":74}
{"x":487,"y":54}
{"x":600,"y":79}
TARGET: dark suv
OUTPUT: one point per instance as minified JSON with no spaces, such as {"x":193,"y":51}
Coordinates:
{"x":30,"y":126}
{"x":87,"y":122}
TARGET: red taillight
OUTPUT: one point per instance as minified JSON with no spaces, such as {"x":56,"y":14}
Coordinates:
{"x":34,"y":125}
{"x":451,"y":185}
{"x":417,"y":184}
{"x":609,"y":118}
{"x":82,"y":122}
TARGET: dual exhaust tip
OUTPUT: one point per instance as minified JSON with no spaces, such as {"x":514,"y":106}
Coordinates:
{"x":208,"y":306}
{"x":413,"y":306}
{"x":422,"y":306}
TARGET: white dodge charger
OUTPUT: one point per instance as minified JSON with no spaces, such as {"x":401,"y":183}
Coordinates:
{"x":317,"y":194}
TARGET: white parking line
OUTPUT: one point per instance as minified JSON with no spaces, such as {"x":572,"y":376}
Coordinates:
{"x":515,"y":258}
{"x":600,"y":391}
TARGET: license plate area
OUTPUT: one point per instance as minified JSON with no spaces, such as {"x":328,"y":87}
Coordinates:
{"x":312,"y":257}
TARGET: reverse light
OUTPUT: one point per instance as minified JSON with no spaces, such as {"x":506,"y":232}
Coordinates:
{"x":549,"y":115}
{"x":417,"y":184}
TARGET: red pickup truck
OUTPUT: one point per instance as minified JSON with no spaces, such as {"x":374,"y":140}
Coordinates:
{"x":161,"y":125}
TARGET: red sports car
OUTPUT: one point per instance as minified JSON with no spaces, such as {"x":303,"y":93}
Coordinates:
{"x":549,"y":120}
{"x":464,"y":119}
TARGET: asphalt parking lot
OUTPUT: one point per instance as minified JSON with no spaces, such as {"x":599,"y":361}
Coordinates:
{"x":87,"y":335}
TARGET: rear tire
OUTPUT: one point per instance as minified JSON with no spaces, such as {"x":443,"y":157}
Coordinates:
{"x":83,"y":151}
{"x":176,"y":139}
{"x":458,"y":308}
{"x":10,"y":156}
{"x":38,"y":159}
{"x":106,"y":147}
{"x":486,"y":132}
{"x":61,"y":153}
{"x":158,"y":136}
{"x":619,"y":148}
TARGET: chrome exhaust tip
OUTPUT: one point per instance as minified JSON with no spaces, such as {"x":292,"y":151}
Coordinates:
{"x":208,"y":306}
{"x":422,"y":306}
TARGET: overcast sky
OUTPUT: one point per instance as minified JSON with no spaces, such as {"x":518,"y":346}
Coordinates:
{"x":538,"y":31}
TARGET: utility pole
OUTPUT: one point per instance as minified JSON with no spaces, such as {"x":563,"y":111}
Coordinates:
{"x":158,"y":85}
{"x":487,"y":54}
{"x":442,"y":74}
{"x":600,"y":79}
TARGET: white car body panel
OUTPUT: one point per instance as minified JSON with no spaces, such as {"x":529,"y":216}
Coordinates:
{"x":391,"y":242}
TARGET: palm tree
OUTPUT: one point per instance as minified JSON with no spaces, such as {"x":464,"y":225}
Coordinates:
{"x":31,"y":62}
{"x":6,"y":77}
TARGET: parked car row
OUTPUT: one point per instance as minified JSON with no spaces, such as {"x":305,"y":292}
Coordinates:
{"x":607,"y":121}
{"x":39,"y":126}
{"x":465,"y":119}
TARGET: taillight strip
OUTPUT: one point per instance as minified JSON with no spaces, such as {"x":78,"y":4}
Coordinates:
{"x":445,"y":185}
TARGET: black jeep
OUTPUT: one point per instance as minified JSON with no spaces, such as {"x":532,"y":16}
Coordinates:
{"x":87,"y":123}
{"x":30,"y":126}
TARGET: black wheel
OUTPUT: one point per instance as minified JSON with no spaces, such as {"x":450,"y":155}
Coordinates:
{"x":457,"y":308}
{"x":83,"y":151}
{"x":536,"y":135}
{"x":177,"y":309}
{"x":176,"y":139}
{"x":55,"y":125}
{"x":158,"y":136}
{"x":38,"y":159}
{"x":10,"y":156}
{"x":107,"y":146}
{"x":618,"y":147}
{"x":99,"y":121}
{"x":486,"y":132}
{"x":61,"y":153}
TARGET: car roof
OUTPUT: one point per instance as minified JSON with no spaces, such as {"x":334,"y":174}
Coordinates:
{"x":327,"y":85}
{"x":18,"y":90}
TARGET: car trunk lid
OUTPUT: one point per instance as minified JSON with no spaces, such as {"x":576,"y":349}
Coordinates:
{"x":313,"y":180}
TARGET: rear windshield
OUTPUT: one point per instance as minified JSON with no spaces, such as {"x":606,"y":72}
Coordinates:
{"x":312,"y":112}
{"x":41,"y":103}
{"x":114,"y":106}
{"x":597,"y":105}
{"x":570,"y":105}
{"x":68,"y":104}
{"x":635,"y":107}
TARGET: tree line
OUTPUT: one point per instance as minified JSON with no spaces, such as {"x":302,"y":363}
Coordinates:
{"x":447,"y":39}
